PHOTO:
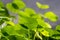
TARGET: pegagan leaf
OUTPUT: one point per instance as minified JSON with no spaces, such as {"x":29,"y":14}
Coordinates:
{"x":20,"y":4}
{"x":31,"y":23}
{"x":58,"y":28}
{"x":30,"y":11}
{"x":10,"y":30}
{"x":11,"y":8}
{"x":44,"y":32}
{"x":15,"y":6}
{"x":10,"y":23}
{"x":51,"y":16}
{"x":42,"y":6}
{"x":26,"y":24}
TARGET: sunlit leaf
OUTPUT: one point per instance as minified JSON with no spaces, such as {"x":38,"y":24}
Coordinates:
{"x":22,"y":13}
{"x":15,"y":6}
{"x":51,"y":31}
{"x":44,"y":32}
{"x":47,"y":25}
{"x":30,"y":11}
{"x":51,"y":16}
{"x":42,"y":6}
{"x":58,"y":28}
{"x":1,"y":9}
{"x":10,"y":23}
{"x":38,"y":4}
{"x":20,"y":4}
{"x":44,"y":24}
{"x":11,"y":8}
{"x":17,"y":27}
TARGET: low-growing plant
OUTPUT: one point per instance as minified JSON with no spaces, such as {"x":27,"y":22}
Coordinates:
{"x":30,"y":25}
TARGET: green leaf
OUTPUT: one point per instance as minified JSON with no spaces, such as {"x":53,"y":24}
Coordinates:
{"x":41,"y":21}
{"x":17,"y":0}
{"x":29,"y":11}
{"x":44,"y":24}
{"x":24,"y":14}
{"x":42,"y":6}
{"x":10,"y":30}
{"x":56,"y":35}
{"x":24,"y":26}
{"x":11,"y":8}
{"x":47,"y":25}
{"x":15,"y":6}
{"x":3,"y":38}
{"x":1,"y":9}
{"x":51,"y":16}
{"x":31,"y":23}
{"x":20,"y":4}
{"x":10,"y":23}
{"x":12,"y":37}
{"x":23,"y":32}
{"x":4,"y":12}
{"x":17,"y":27}
{"x":44,"y":32}
{"x":51,"y":31}
{"x":58,"y":28}
{"x":21,"y":38}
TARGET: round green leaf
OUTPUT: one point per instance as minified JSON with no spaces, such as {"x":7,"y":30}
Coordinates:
{"x":51,"y":16}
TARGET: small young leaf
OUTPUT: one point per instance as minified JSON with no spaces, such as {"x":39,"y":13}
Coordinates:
{"x":38,"y":4}
{"x":42,"y":6}
{"x":51,"y":16}
{"x":29,"y":11}
{"x":58,"y":28}
{"x":10,"y":23}
{"x":47,"y":25}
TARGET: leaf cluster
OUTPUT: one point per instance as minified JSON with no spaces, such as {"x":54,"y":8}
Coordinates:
{"x":30,"y":26}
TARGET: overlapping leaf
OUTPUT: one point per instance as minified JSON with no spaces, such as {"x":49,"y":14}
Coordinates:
{"x":31,"y":23}
{"x":15,"y":6}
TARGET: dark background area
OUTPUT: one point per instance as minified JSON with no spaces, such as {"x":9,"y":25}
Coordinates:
{"x":54,"y":6}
